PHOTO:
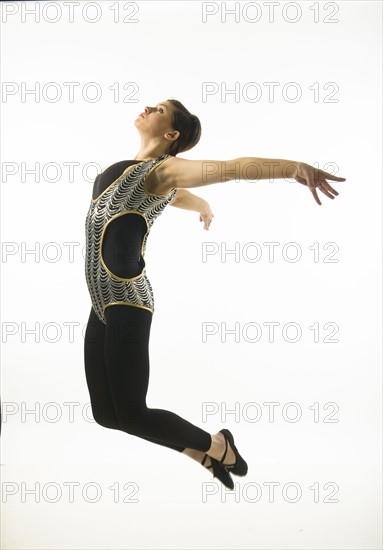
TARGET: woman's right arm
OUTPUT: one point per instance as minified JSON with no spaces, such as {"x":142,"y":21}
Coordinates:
{"x":188,"y":201}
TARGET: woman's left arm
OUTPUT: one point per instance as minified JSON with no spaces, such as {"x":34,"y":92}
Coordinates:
{"x":181,"y":173}
{"x":188,"y":201}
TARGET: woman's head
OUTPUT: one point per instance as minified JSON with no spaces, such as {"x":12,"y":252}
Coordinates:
{"x":170,"y":121}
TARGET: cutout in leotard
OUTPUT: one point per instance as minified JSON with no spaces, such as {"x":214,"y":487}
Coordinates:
{"x":122,"y":245}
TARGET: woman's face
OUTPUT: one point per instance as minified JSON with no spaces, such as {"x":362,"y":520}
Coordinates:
{"x":155,"y":121}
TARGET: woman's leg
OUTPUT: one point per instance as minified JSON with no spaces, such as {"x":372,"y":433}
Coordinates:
{"x":98,"y":385}
{"x":95,"y":372}
{"x":127,"y":370}
{"x":102,"y":403}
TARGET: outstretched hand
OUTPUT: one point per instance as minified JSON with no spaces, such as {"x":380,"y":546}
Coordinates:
{"x":314,"y":177}
{"x":206,"y":216}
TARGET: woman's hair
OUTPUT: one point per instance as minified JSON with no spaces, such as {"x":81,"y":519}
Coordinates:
{"x":188,"y":126}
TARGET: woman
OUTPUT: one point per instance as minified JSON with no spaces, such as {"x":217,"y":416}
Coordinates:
{"x":127,"y":197}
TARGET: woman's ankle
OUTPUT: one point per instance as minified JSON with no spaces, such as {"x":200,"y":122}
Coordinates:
{"x":217,"y":447}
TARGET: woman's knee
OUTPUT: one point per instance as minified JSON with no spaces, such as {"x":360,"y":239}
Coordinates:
{"x":105,"y":417}
{"x":132,"y":417}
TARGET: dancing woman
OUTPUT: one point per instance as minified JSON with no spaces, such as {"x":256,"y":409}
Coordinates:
{"x":127,"y":197}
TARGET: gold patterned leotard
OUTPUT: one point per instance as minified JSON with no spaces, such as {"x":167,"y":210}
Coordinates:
{"x":117,"y":226}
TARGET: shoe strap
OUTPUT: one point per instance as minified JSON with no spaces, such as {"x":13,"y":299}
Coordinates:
{"x":224,"y":454}
{"x":204,"y":460}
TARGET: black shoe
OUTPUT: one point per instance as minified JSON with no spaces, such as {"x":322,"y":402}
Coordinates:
{"x":240,"y":466}
{"x":219,"y":472}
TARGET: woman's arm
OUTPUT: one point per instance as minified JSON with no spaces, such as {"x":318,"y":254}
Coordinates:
{"x":183,"y":173}
{"x":197,"y":173}
{"x":185,"y":199}
{"x":188,"y":201}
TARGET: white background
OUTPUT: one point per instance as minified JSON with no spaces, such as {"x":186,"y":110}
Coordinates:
{"x":170,"y":53}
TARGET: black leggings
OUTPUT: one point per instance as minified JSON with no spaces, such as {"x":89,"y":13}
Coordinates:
{"x":117,"y":374}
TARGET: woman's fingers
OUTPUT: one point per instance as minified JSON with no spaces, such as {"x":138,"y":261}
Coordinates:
{"x":329,"y":188}
{"x":321,"y":175}
{"x":310,"y":186}
{"x":315,"y":194}
{"x":315,"y":178}
{"x":331,"y":176}
{"x":324,"y":191}
{"x":206,"y":218}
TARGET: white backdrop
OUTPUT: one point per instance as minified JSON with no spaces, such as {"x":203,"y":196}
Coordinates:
{"x":320,"y":375}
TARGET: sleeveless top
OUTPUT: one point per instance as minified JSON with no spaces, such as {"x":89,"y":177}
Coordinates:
{"x":116,"y":242}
